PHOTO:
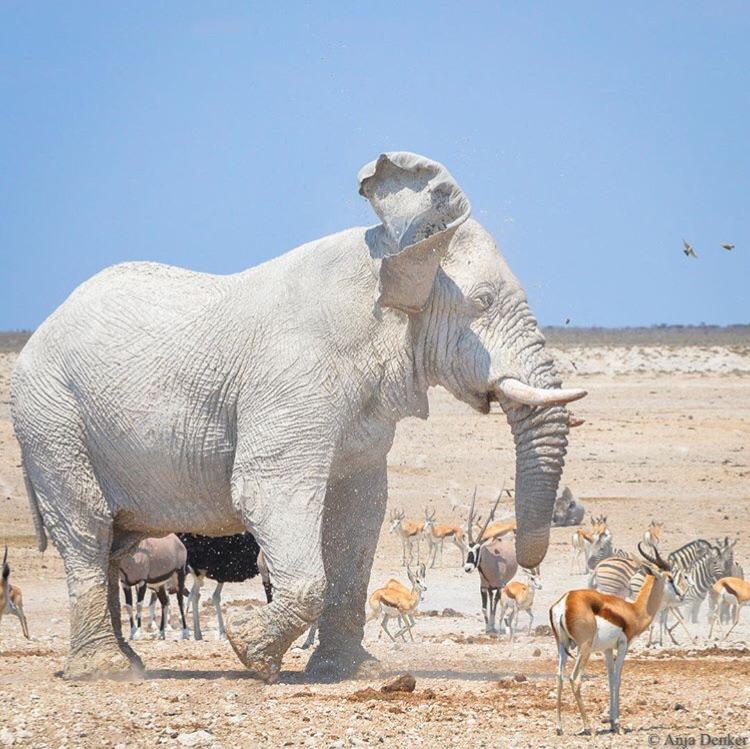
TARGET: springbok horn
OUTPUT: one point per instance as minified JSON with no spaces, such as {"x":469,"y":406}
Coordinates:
{"x":520,"y":392}
{"x":658,"y":561}
{"x":644,"y":554}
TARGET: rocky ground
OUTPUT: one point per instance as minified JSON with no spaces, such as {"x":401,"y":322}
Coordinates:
{"x":667,"y":436}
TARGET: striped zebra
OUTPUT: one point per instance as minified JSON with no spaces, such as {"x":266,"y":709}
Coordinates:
{"x":706,"y":570}
{"x":686,"y":556}
{"x":613,"y":575}
{"x":605,"y":551}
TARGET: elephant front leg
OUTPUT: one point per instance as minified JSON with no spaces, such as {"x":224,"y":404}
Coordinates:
{"x":286,"y":521}
{"x":353,"y":516}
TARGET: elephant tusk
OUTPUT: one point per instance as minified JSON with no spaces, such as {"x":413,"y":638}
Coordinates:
{"x":574,"y":421}
{"x":520,"y":392}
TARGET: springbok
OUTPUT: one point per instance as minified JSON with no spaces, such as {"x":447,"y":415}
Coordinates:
{"x":11,"y":598}
{"x":731,"y":591}
{"x":517,"y":596}
{"x":495,"y":560}
{"x":498,"y":529}
{"x":652,"y":536}
{"x":397,"y":601}
{"x":437,"y":533}
{"x":670,"y":604}
{"x":409,"y":531}
{"x":595,"y":622}
{"x":726,"y":611}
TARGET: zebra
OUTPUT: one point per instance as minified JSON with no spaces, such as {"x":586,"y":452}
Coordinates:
{"x":613,"y":574}
{"x":684,"y":557}
{"x":605,"y":551}
{"x":709,"y":568}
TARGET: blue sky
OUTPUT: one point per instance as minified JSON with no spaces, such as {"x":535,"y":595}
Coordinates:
{"x":590,"y":138}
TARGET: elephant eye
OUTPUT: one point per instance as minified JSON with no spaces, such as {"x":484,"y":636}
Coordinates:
{"x":484,"y":300}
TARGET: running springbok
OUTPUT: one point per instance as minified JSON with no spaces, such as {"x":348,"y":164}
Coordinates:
{"x":394,"y":600}
{"x":730,"y":591}
{"x":652,"y":536}
{"x":516,"y":597}
{"x":437,"y":533}
{"x":596,"y":622}
{"x":11,"y":598}
{"x":409,"y":531}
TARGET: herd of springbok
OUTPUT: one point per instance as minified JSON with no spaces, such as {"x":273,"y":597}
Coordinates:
{"x":626,"y":592}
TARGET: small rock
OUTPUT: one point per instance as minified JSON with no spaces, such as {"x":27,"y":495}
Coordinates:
{"x":195,"y":738}
{"x":520,"y":677}
{"x":679,"y":706}
{"x":537,"y":652}
{"x":404,"y":683}
{"x":543,"y":629}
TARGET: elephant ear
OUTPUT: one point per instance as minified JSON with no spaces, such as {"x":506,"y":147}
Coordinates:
{"x":420,"y":206}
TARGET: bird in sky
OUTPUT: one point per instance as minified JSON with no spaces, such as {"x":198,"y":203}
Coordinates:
{"x":567,"y":321}
{"x":728,"y":247}
{"x":688,"y":249}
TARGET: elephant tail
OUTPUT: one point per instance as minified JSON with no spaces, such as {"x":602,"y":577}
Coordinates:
{"x":41,"y":534}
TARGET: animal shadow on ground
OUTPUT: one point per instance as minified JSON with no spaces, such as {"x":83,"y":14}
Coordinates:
{"x":169,"y":674}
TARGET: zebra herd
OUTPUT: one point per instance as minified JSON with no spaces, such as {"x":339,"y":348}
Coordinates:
{"x":696,"y":567}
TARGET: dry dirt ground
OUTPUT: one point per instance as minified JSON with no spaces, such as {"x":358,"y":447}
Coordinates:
{"x":667,"y":436}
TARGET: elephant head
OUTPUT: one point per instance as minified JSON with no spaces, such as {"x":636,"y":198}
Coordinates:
{"x":470,"y":324}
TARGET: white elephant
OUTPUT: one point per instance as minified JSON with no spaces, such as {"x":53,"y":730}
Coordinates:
{"x":157,"y":399}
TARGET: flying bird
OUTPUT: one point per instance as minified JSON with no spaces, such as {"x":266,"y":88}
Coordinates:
{"x":567,"y":321}
{"x":688,"y":249}
{"x":728,"y":247}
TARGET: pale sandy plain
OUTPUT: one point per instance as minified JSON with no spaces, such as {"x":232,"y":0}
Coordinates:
{"x":667,"y":435}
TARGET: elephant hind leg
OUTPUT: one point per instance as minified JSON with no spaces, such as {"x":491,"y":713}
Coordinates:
{"x":80,"y":524}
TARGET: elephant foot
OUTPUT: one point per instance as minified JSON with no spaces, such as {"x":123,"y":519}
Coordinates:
{"x":259,"y":642}
{"x":329,"y":665}
{"x":107,"y":661}
{"x":96,"y":651}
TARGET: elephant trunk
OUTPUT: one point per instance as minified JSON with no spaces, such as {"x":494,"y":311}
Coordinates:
{"x":540,"y":435}
{"x":541,"y":438}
